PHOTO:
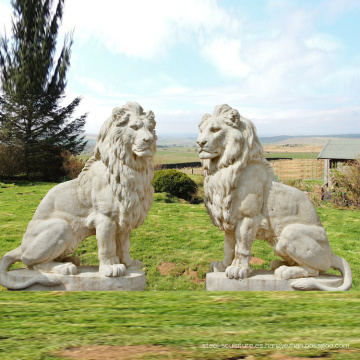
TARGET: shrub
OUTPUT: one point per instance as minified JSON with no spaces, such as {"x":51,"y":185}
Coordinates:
{"x":345,"y":182}
{"x":71,"y":165}
{"x":11,"y":160}
{"x":175,"y":183}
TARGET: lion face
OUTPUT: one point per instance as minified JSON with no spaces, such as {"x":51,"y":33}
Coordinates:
{"x":140,"y":133}
{"x":127,"y":138}
{"x":212,"y":138}
{"x":226,"y":138}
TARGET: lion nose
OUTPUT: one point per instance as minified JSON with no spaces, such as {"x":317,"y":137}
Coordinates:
{"x":201,"y":142}
{"x":147,"y":137}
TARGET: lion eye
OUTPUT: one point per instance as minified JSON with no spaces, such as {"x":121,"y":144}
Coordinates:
{"x":215,"y":130}
{"x":135,"y":126}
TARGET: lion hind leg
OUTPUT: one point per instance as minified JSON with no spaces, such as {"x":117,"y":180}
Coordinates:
{"x":305,"y":245}
{"x":71,"y":258}
{"x":55,"y":267}
{"x":48,"y":241}
{"x":295,"y":272}
{"x":277,"y":263}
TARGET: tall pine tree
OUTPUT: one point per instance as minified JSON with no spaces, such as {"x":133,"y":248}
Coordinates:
{"x":32,"y":115}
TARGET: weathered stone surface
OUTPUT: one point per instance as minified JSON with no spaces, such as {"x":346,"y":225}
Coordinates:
{"x":88,"y":278}
{"x":261,"y":280}
{"x":245,"y":201}
{"x":110,"y":197}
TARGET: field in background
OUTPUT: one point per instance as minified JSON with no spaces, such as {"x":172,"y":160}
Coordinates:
{"x":303,"y":151}
{"x":180,"y":154}
{"x":174,"y":155}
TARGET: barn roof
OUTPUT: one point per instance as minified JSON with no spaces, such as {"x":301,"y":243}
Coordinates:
{"x":345,"y":149}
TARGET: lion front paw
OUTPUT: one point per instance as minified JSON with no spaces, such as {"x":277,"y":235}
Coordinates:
{"x":217,"y":266}
{"x":136,"y":264}
{"x":112,"y":270}
{"x":235,"y":272}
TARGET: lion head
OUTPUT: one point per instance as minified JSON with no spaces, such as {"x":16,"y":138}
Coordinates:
{"x":129,"y":136}
{"x":226,"y":138}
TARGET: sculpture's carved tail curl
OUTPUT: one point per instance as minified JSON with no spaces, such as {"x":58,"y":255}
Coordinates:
{"x":14,"y":282}
{"x":337,"y":263}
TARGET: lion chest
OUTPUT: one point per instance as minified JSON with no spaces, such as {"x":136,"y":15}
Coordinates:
{"x":230,"y":198}
{"x":135,"y":195}
{"x":125,"y":198}
{"x":134,"y":206}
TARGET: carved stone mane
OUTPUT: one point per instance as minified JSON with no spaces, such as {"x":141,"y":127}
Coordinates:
{"x":241,"y":148}
{"x":130,"y":178}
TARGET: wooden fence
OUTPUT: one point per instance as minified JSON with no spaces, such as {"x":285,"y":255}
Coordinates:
{"x":298,"y":169}
{"x":284,"y":169}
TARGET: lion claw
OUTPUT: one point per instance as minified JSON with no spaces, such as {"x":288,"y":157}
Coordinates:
{"x":112,"y":270}
{"x":234,"y":272}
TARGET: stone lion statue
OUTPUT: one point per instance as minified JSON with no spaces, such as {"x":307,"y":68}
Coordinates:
{"x":111,"y":196}
{"x":245,"y":201}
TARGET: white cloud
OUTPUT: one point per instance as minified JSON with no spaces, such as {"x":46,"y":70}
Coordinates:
{"x":5,"y":20}
{"x":143,"y":29}
{"x":93,"y":85}
{"x":334,"y":8}
{"x":275,"y":64}
{"x":323,"y":42}
{"x":175,"y":90}
{"x":226,"y":56}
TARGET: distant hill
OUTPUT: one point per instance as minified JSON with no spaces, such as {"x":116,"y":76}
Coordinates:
{"x":289,"y":138}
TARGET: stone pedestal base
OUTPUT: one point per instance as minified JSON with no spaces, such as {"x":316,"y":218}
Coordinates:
{"x":89,"y":279}
{"x":260,"y":280}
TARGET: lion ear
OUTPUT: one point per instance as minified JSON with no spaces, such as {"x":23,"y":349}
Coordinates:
{"x":118,"y":116}
{"x":150,"y":115}
{"x":234,"y":117}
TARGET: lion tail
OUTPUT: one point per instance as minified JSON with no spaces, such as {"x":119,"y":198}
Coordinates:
{"x":337,"y":263}
{"x":14,"y":282}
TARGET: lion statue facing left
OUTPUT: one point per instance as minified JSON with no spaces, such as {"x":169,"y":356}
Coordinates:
{"x":245,"y":201}
{"x":111,"y":196}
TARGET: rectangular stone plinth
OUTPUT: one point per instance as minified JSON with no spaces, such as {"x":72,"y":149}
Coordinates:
{"x":260,"y":280}
{"x":88,"y":279}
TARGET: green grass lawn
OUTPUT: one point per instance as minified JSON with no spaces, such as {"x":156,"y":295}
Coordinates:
{"x":176,"y":243}
{"x":38,"y":325}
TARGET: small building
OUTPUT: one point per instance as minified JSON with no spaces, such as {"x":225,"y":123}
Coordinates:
{"x":338,"y":151}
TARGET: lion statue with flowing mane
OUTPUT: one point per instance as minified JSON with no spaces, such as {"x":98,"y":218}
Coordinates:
{"x":111,"y":196}
{"x":245,"y":201}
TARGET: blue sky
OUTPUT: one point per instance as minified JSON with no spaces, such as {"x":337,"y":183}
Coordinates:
{"x":291,"y":66}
